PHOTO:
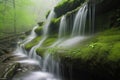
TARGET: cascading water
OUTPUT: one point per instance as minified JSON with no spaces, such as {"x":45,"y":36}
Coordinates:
{"x":20,"y":49}
{"x":80,"y":21}
{"x":31,"y":36}
{"x":49,"y":66}
{"x":46,"y":27}
{"x":32,"y":53}
{"x":63,"y":27}
{"x":49,"y":63}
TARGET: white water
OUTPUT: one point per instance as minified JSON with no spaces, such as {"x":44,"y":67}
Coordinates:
{"x":63,"y":27}
{"x":20,"y":51}
{"x":72,"y":42}
{"x":31,"y":36}
{"x":36,"y":76}
{"x":33,"y":58}
{"x":32,"y":53}
{"x":49,"y":64}
{"x":50,"y":67}
{"x":80,"y":21}
{"x":46,"y":27}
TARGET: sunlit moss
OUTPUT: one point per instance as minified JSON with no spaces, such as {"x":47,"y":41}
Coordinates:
{"x":103,"y":47}
{"x":49,"y":42}
{"x":32,"y":43}
{"x":39,"y":30}
{"x":40,"y":51}
{"x":115,"y":52}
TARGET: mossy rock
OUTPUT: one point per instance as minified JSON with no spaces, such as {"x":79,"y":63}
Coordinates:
{"x":98,"y":47}
{"x":54,"y":26}
{"x":47,"y":14}
{"x":98,"y":56}
{"x":46,"y":45}
{"x":40,"y":23}
{"x":33,"y":43}
{"x":67,"y":5}
{"x":40,"y":51}
{"x":49,"y":41}
{"x":39,"y":30}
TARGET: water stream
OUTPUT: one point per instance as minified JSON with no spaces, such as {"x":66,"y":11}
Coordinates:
{"x":50,"y":69}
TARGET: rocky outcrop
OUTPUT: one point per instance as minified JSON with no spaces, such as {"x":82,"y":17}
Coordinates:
{"x":7,"y":70}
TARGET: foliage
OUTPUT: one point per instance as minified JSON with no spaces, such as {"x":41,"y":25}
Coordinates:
{"x":18,"y":14}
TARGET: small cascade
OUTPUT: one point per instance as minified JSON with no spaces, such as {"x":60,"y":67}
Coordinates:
{"x":31,"y":36}
{"x":80,"y":21}
{"x":20,"y":48}
{"x":46,"y":26}
{"x":50,"y":65}
{"x":63,"y":27}
{"x":32,"y":53}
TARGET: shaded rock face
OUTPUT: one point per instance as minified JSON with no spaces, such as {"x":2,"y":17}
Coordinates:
{"x":90,"y":70}
{"x":7,"y":70}
{"x":106,"y":6}
{"x":106,"y":15}
{"x":66,"y":6}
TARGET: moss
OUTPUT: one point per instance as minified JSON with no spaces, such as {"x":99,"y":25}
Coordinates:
{"x":40,"y":51}
{"x":103,"y":47}
{"x":47,"y":14}
{"x":39,"y":30}
{"x":115,"y":52}
{"x":67,"y":5}
{"x":49,"y":42}
{"x":54,"y":26}
{"x":32,"y":43}
{"x":40,"y":23}
{"x":45,"y":46}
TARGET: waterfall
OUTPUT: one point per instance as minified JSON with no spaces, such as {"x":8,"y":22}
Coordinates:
{"x":80,"y":21}
{"x":31,"y":36}
{"x":49,"y":65}
{"x":32,"y":53}
{"x":91,"y":18}
{"x":41,"y":75}
{"x":20,"y":48}
{"x":63,"y":27}
{"x":46,"y":26}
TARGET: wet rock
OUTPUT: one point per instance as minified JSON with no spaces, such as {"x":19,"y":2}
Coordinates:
{"x":7,"y":70}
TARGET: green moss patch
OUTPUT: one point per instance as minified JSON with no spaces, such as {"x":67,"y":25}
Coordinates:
{"x":39,"y":30}
{"x":40,"y":51}
{"x":54,"y":26}
{"x":103,"y":47}
{"x":49,"y":42}
{"x":32,"y":43}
